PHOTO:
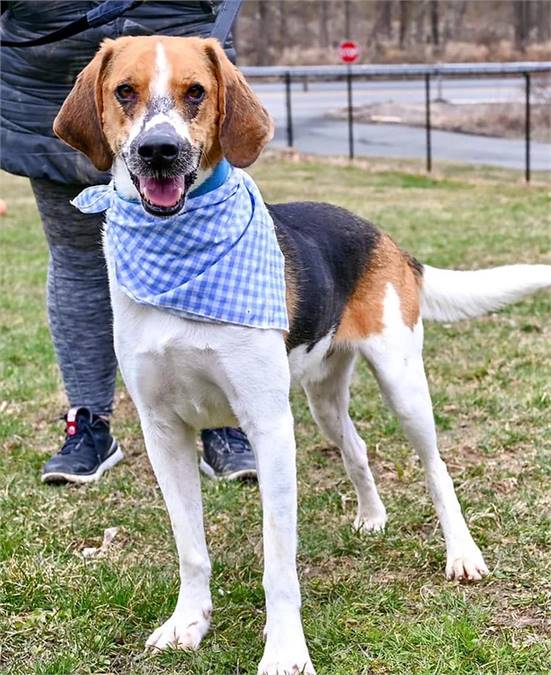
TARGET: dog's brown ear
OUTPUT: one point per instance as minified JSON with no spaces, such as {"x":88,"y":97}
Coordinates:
{"x":244,"y":125}
{"x":78,"y":122}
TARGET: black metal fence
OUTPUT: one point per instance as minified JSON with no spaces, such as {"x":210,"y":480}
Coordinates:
{"x":401,"y":71}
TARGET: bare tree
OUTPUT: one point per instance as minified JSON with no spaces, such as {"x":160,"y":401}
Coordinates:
{"x":405,"y":20}
{"x":347,"y":19}
{"x":434,"y":24}
{"x":263,"y":33}
{"x":383,"y":17}
{"x":520,"y":23}
{"x":381,"y":26}
{"x":324,"y":23}
{"x":453,"y":24}
{"x":420,"y":16}
{"x":543,"y":20}
{"x":283,"y":37}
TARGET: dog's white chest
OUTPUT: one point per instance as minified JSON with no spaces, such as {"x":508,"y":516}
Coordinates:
{"x":191,"y":369}
{"x":174,"y":365}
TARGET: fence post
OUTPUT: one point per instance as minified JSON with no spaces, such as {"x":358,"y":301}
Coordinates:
{"x":427,"y":122}
{"x":527,"y":129}
{"x":289,"y":110}
{"x":350,"y":113}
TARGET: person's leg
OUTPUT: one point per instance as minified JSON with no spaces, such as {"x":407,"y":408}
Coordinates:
{"x":79,"y":308}
{"x":80,"y":318}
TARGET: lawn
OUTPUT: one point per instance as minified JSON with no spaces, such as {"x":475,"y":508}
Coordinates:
{"x":372,"y":605}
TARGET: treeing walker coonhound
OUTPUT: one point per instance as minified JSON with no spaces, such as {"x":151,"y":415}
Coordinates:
{"x":162,"y":112}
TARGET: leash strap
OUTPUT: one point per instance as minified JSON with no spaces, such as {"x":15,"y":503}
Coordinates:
{"x":99,"y":16}
{"x":225,"y":18}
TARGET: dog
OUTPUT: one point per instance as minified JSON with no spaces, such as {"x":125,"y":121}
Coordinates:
{"x":163,"y":114}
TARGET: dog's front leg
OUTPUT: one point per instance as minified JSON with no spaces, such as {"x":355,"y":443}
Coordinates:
{"x":260,"y":399}
{"x":285,"y":650}
{"x":171,"y":449}
{"x":274,"y":446}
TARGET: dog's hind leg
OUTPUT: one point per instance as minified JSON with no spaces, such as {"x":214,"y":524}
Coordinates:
{"x":173,"y":455}
{"x":329,"y":399}
{"x":396,"y":358}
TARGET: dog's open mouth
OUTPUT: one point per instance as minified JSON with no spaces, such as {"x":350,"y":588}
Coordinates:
{"x":163,"y":196}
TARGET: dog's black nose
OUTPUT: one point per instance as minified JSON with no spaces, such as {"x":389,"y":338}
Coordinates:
{"x":158,"y":149}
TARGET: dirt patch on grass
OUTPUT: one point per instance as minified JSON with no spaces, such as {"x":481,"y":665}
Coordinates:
{"x":505,"y":120}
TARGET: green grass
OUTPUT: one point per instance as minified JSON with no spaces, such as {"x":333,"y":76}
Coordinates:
{"x":377,"y":605}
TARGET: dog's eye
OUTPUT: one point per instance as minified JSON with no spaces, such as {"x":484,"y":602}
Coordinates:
{"x":195,"y":94}
{"x":125,"y":93}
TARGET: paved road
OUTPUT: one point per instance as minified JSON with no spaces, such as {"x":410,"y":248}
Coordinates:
{"x":315,"y":133}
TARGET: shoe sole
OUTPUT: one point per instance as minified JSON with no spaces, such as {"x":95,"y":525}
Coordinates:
{"x":234,"y":475}
{"x":60,"y":477}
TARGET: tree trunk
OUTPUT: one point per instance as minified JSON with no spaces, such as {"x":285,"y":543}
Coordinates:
{"x":282,"y":37}
{"x":420,"y":16}
{"x":263,"y":44}
{"x":324,"y":24}
{"x":383,"y":18}
{"x":434,"y":24}
{"x":405,"y":16}
{"x":543,"y":20}
{"x":380,"y":27}
{"x":456,"y":29}
{"x":347,"y":20}
{"x":520,"y":17}
{"x":453,"y":18}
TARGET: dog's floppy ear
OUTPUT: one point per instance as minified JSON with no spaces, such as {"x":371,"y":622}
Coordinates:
{"x":78,"y":122}
{"x":244,"y":125}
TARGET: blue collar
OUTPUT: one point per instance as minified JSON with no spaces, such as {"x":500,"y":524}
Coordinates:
{"x":215,"y":180}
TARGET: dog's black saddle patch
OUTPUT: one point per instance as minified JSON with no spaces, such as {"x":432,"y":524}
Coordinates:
{"x":329,"y":250}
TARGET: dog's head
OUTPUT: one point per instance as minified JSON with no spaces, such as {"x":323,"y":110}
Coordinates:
{"x":161,"y":110}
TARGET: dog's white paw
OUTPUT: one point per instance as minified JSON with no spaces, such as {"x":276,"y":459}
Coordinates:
{"x":466,"y":565}
{"x":181,"y":631}
{"x":286,"y":666}
{"x":286,"y":652}
{"x":370,"y":523}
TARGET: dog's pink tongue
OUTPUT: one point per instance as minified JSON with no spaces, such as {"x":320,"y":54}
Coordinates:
{"x":162,"y":192}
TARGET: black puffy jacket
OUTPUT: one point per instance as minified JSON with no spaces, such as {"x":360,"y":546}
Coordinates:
{"x":34,"y":81}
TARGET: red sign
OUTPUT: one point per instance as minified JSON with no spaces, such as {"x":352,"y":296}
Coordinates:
{"x":349,"y":51}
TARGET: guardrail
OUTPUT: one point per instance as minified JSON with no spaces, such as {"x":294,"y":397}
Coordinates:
{"x":394,"y":71}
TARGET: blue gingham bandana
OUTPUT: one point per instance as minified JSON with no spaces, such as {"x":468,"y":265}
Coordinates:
{"x":218,"y":259}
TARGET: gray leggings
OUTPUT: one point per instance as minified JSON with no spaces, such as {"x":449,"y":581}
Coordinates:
{"x":79,"y":309}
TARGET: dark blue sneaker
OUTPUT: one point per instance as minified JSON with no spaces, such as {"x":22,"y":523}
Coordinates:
{"x":89,"y":450}
{"x":227,"y":454}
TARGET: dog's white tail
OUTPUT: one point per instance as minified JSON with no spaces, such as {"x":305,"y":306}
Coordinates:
{"x":450,"y":295}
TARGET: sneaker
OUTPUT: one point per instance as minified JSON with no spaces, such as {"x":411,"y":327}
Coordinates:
{"x":89,"y":450}
{"x":227,"y":454}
